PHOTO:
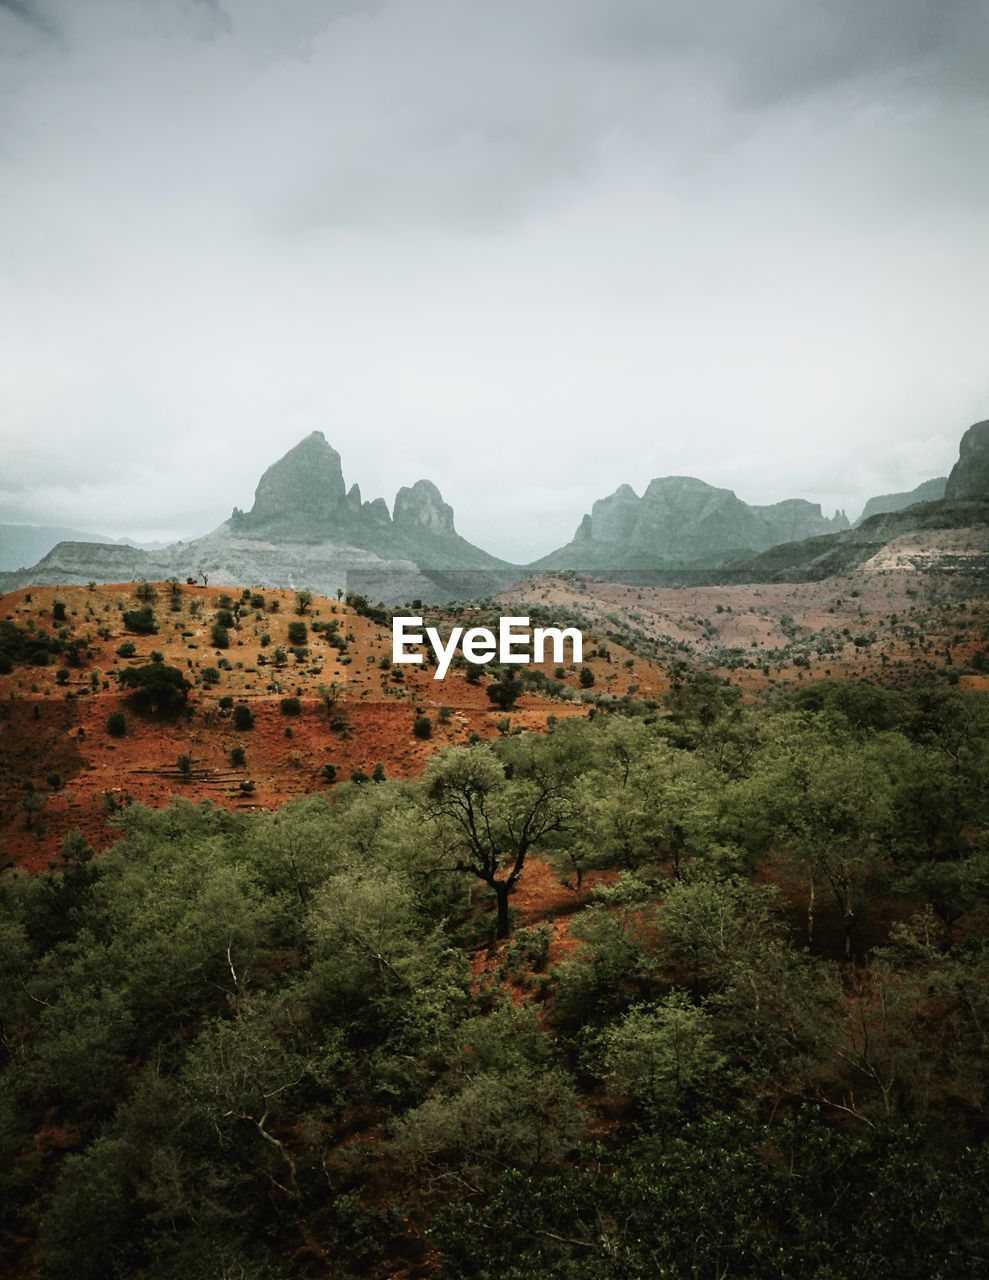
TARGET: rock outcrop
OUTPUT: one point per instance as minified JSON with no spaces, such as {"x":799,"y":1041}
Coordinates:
{"x":682,"y":520}
{"x":306,"y":483}
{"x":969,"y":479}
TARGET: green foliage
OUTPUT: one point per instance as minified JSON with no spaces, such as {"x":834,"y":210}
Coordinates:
{"x":422,"y":727}
{"x":243,"y":717}
{"x":116,"y":724}
{"x":506,"y":690}
{"x":230,"y":1036}
{"x":141,"y":621}
{"x":155,"y":687}
{"x":290,"y":706}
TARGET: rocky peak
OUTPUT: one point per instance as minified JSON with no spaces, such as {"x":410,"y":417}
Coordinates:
{"x":969,"y":477}
{"x":423,"y":506}
{"x":307,"y":480}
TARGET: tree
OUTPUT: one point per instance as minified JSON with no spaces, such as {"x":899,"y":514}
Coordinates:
{"x":662,"y":1055}
{"x":505,"y":691}
{"x":156,"y":687}
{"x":141,"y":621}
{"x":243,"y":717}
{"x":303,"y":601}
{"x":832,"y":804}
{"x":486,"y":822}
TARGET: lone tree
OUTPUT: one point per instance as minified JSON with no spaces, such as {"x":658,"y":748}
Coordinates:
{"x":505,"y":691}
{"x":155,"y":687}
{"x":487,"y":821}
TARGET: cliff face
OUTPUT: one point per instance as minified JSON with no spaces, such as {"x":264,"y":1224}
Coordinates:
{"x":969,"y":479}
{"x":682,"y":520}
{"x":307,"y":483}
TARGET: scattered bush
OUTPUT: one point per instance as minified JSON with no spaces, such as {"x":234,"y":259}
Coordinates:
{"x":141,"y":621}
{"x":243,"y":717}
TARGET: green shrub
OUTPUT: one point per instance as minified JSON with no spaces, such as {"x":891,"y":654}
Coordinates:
{"x":243,"y":717}
{"x":116,"y":724}
{"x":141,"y":621}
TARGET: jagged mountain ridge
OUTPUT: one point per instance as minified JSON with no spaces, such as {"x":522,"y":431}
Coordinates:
{"x":307,"y":529}
{"x":684,"y":521}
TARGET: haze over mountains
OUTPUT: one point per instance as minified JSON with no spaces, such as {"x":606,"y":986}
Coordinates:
{"x":306,"y":528}
{"x":681,"y":520}
{"x":929,"y":491}
{"x":25,"y":544}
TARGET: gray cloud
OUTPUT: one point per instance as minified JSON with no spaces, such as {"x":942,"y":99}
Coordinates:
{"x":530,"y":250}
{"x":31,"y":15}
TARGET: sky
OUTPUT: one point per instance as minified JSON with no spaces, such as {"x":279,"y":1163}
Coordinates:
{"x":530,"y":250}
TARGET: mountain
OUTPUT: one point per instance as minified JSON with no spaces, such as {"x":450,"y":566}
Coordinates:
{"x":304,"y":529}
{"x":969,"y":479}
{"x":680,"y":520}
{"x":25,"y":544}
{"x":929,"y":491}
{"x":965,"y":505}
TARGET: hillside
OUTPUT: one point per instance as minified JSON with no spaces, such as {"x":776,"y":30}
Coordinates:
{"x":61,"y":769}
{"x":911,"y":610}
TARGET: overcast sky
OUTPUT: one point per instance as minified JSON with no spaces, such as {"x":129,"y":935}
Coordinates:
{"x":529,"y":249}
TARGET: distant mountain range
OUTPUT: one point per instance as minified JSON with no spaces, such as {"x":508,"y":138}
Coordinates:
{"x":307,"y":529}
{"x":25,"y":544}
{"x":683,"y":521}
{"x":929,"y":491}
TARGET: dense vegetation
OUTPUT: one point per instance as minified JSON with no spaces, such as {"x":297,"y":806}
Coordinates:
{"x":292,"y":1044}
